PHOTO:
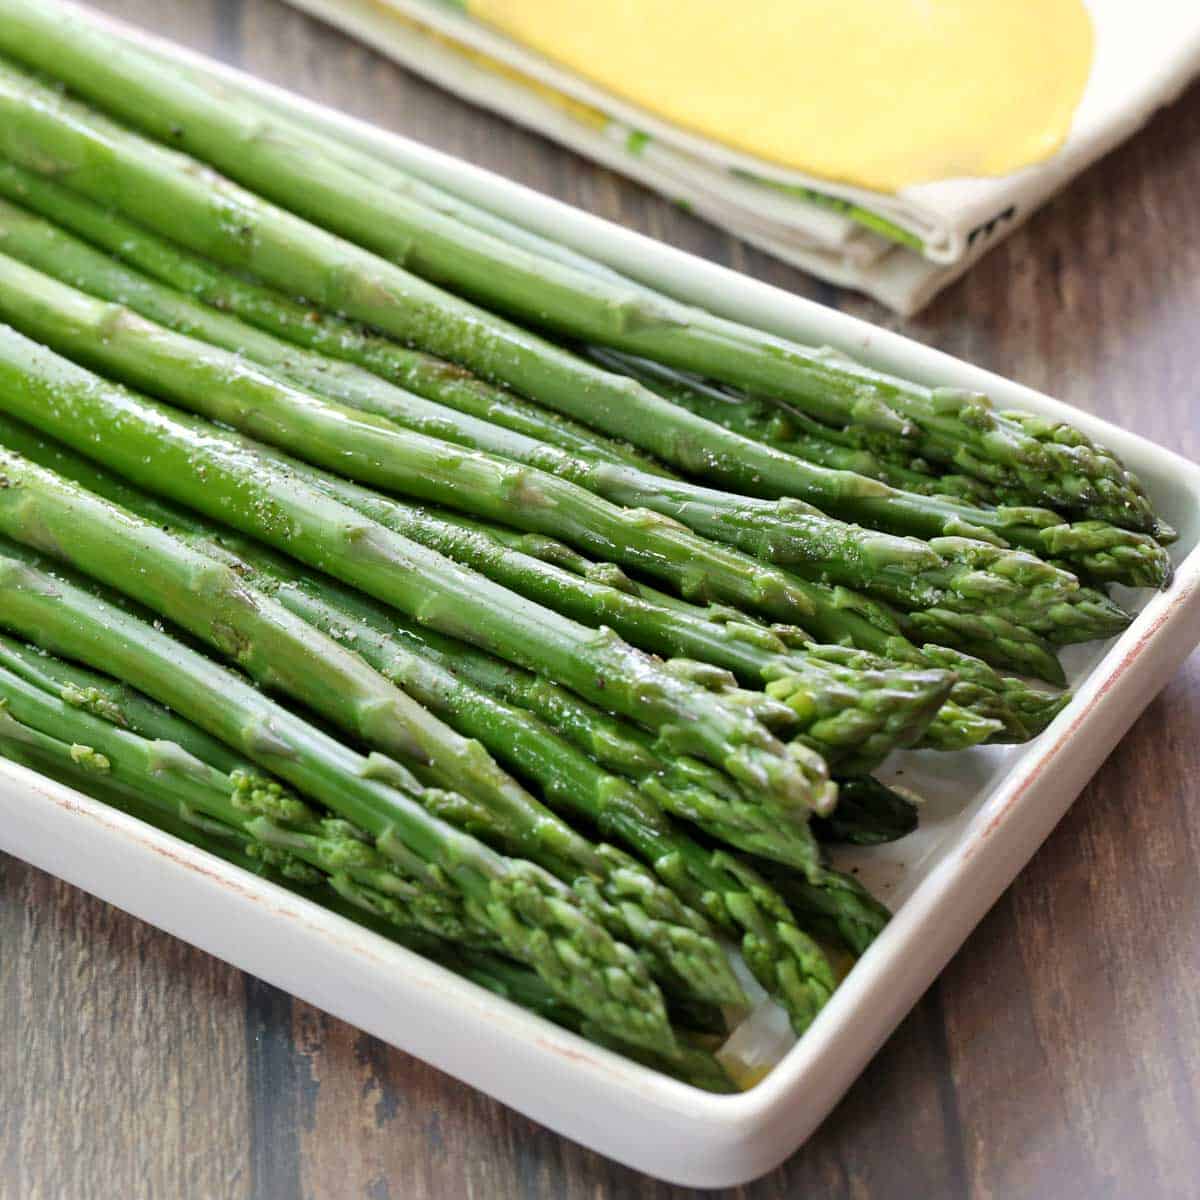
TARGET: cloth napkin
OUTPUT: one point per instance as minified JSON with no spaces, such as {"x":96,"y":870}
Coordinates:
{"x":900,"y":248}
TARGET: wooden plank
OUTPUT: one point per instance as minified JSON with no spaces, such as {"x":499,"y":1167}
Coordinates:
{"x":123,"y":1064}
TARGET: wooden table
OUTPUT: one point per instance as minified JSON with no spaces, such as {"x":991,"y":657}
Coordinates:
{"x":1056,"y":1056}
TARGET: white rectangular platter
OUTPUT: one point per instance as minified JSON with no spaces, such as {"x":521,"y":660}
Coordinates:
{"x":989,"y":810}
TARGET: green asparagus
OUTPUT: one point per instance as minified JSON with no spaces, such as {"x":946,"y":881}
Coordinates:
{"x":116,"y":702}
{"x":782,"y":958}
{"x":286,"y":654}
{"x":333,"y":340}
{"x":566,"y":777}
{"x":158,"y":782}
{"x":162,"y":188}
{"x":1093,"y":548}
{"x":44,"y":506}
{"x":534,"y":917}
{"x":686,"y":580}
{"x":221,"y":475}
{"x":275,"y":824}
{"x":950,"y":573}
{"x":837,"y":711}
{"x":682,"y":785}
{"x":992,"y":596}
{"x":838,"y":618}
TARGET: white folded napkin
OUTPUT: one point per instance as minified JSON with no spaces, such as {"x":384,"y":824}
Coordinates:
{"x":900,"y":248}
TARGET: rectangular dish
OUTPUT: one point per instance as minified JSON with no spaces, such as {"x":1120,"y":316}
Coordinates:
{"x":988,"y":810}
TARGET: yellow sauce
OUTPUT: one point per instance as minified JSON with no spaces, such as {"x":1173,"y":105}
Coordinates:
{"x":879,"y":93}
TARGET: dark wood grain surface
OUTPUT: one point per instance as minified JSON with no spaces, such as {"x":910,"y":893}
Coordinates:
{"x":1057,"y":1056}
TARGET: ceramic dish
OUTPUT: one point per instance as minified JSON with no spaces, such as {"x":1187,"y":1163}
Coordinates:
{"x":988,"y":810}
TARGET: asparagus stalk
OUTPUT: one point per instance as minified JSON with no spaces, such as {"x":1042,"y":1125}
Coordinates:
{"x":566,"y":776}
{"x":430,"y":378}
{"x":163,"y":189}
{"x":787,"y":429}
{"x":264,"y":153}
{"x":722,"y":811}
{"x":775,"y":650}
{"x":837,"y":711}
{"x":159,"y":783}
{"x":838,"y":615}
{"x":222,"y":476}
{"x":992,"y":594}
{"x":285,"y":653}
{"x":532,"y":915}
{"x":683,"y":784}
{"x":864,"y":452}
{"x":433,"y":669}
{"x":782,"y":957}
{"x":116,"y":702}
{"x":868,"y":814}
{"x":784,"y":960}
{"x":1020,"y":710}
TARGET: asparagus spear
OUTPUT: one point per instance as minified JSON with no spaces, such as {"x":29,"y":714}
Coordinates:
{"x":116,"y":702}
{"x":566,"y":776}
{"x":163,"y":189}
{"x":287,"y":654}
{"x":782,"y":957}
{"x":160,"y":783}
{"x":952,"y":572}
{"x":790,"y":430}
{"x":772,"y":652}
{"x":263,"y":153}
{"x":785,"y":961}
{"x":838,"y":711}
{"x":46,"y":505}
{"x":222,"y":476}
{"x":433,"y":668}
{"x":533,"y":916}
{"x":992,"y":594}
{"x":838,"y":618}
{"x":864,"y":452}
{"x":684,"y":785}
{"x":868,"y":814}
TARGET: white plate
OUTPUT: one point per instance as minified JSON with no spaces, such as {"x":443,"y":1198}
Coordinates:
{"x":989,"y":811}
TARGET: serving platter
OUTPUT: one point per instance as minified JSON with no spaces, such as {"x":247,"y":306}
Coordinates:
{"x":987,"y":811}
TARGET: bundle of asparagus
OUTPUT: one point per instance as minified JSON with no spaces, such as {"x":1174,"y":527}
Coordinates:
{"x":606,"y":617}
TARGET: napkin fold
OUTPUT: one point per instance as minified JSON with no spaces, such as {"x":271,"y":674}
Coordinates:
{"x":901,"y":248}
